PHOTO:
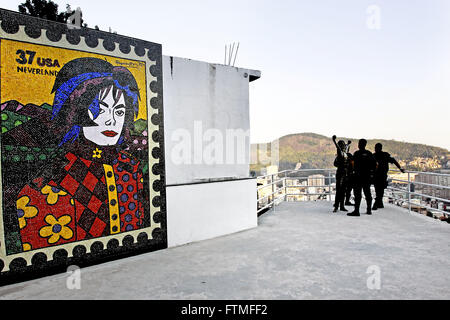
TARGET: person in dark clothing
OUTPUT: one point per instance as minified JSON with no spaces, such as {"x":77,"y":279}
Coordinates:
{"x":343,"y":164}
{"x":364,"y":167}
{"x":350,"y":184}
{"x":380,"y":182}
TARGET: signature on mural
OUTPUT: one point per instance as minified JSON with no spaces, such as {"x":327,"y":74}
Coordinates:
{"x":95,"y":187}
{"x":130,"y":64}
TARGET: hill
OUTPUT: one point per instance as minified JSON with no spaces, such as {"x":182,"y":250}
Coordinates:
{"x":317,"y":151}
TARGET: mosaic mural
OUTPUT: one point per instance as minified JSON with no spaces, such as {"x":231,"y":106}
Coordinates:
{"x":82,"y":167}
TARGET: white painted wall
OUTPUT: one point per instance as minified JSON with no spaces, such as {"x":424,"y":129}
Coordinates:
{"x":207,"y":210}
{"x":199,"y":96}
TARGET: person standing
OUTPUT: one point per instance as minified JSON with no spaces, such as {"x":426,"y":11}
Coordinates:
{"x":380,"y":182}
{"x":364,"y":168}
{"x":350,"y":181}
{"x":348,"y":191}
{"x":343,"y":164}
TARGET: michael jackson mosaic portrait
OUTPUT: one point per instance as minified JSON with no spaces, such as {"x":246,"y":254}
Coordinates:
{"x":82,"y":162}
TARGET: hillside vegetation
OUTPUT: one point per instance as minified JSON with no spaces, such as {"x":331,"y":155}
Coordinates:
{"x":318,"y":151}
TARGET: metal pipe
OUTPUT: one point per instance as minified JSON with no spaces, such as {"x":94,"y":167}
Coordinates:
{"x":320,"y":186}
{"x":268,"y":175}
{"x":269,"y":184}
{"x":231,"y":54}
{"x":409,"y":192}
{"x":423,"y":206}
{"x":421,"y":172}
{"x":237,"y":49}
{"x":440,"y":186}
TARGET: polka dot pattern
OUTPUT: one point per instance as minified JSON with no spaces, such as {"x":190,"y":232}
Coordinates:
{"x":128,"y":184}
{"x":124,"y":198}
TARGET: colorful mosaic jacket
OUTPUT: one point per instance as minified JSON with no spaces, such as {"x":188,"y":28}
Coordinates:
{"x":90,"y":195}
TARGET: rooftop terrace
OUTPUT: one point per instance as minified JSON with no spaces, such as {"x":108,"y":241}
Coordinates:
{"x":300,"y":250}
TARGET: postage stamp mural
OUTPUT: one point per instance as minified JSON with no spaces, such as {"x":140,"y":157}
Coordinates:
{"x":82,"y":165}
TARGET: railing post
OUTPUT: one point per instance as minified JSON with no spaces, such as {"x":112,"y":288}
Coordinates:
{"x":307,"y":188}
{"x":329,"y":185}
{"x":273,"y":190}
{"x":409,"y":193}
{"x":285,"y":186}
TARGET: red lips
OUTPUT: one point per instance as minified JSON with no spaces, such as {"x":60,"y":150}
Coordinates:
{"x":109,"y":133}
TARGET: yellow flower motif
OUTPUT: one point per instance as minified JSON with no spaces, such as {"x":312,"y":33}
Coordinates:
{"x":56,"y":229}
{"x":97,"y":153}
{"x":53,"y":194}
{"x":26,"y":246}
{"x":24,"y":211}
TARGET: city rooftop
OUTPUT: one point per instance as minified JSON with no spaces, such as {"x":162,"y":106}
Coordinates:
{"x":300,"y":250}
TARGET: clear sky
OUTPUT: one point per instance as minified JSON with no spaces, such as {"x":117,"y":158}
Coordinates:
{"x":323,"y":69}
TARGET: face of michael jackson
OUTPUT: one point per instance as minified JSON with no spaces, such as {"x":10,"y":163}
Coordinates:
{"x":110,"y":119}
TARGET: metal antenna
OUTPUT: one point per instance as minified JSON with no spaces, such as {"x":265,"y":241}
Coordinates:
{"x":237,"y":49}
{"x":230,"y":54}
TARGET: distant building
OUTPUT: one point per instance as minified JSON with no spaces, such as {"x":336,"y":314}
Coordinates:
{"x":425,"y":163}
{"x":271,"y":169}
{"x":315,"y":186}
{"x":316,"y":180}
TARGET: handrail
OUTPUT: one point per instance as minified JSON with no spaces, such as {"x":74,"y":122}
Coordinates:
{"x":422,"y":172}
{"x":322,"y":186}
{"x":266,"y":196}
{"x":293,"y":170}
{"x":267,"y":206}
{"x":409,"y":193}
{"x":283,"y":189}
{"x":430,"y":173}
{"x":269,"y":184}
{"x":420,"y":194}
{"x":307,"y":194}
{"x":272,"y":174}
{"x":424,"y":184}
{"x":329,"y":189}
{"x":424,"y":206}
{"x":309,"y":170}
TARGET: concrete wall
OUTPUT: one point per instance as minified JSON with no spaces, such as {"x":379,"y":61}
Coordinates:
{"x":207,"y":105}
{"x":198,"y":97}
{"x":202,"y":211}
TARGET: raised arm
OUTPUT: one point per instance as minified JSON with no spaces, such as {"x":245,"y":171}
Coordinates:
{"x":334,"y":140}
{"x":340,"y":152}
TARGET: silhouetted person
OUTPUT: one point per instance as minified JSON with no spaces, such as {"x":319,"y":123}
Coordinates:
{"x":364,"y":167}
{"x":350,"y":184}
{"x":342,"y":162}
{"x":380,"y":182}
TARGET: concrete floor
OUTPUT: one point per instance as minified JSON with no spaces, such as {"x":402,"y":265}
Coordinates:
{"x":299,"y":251}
